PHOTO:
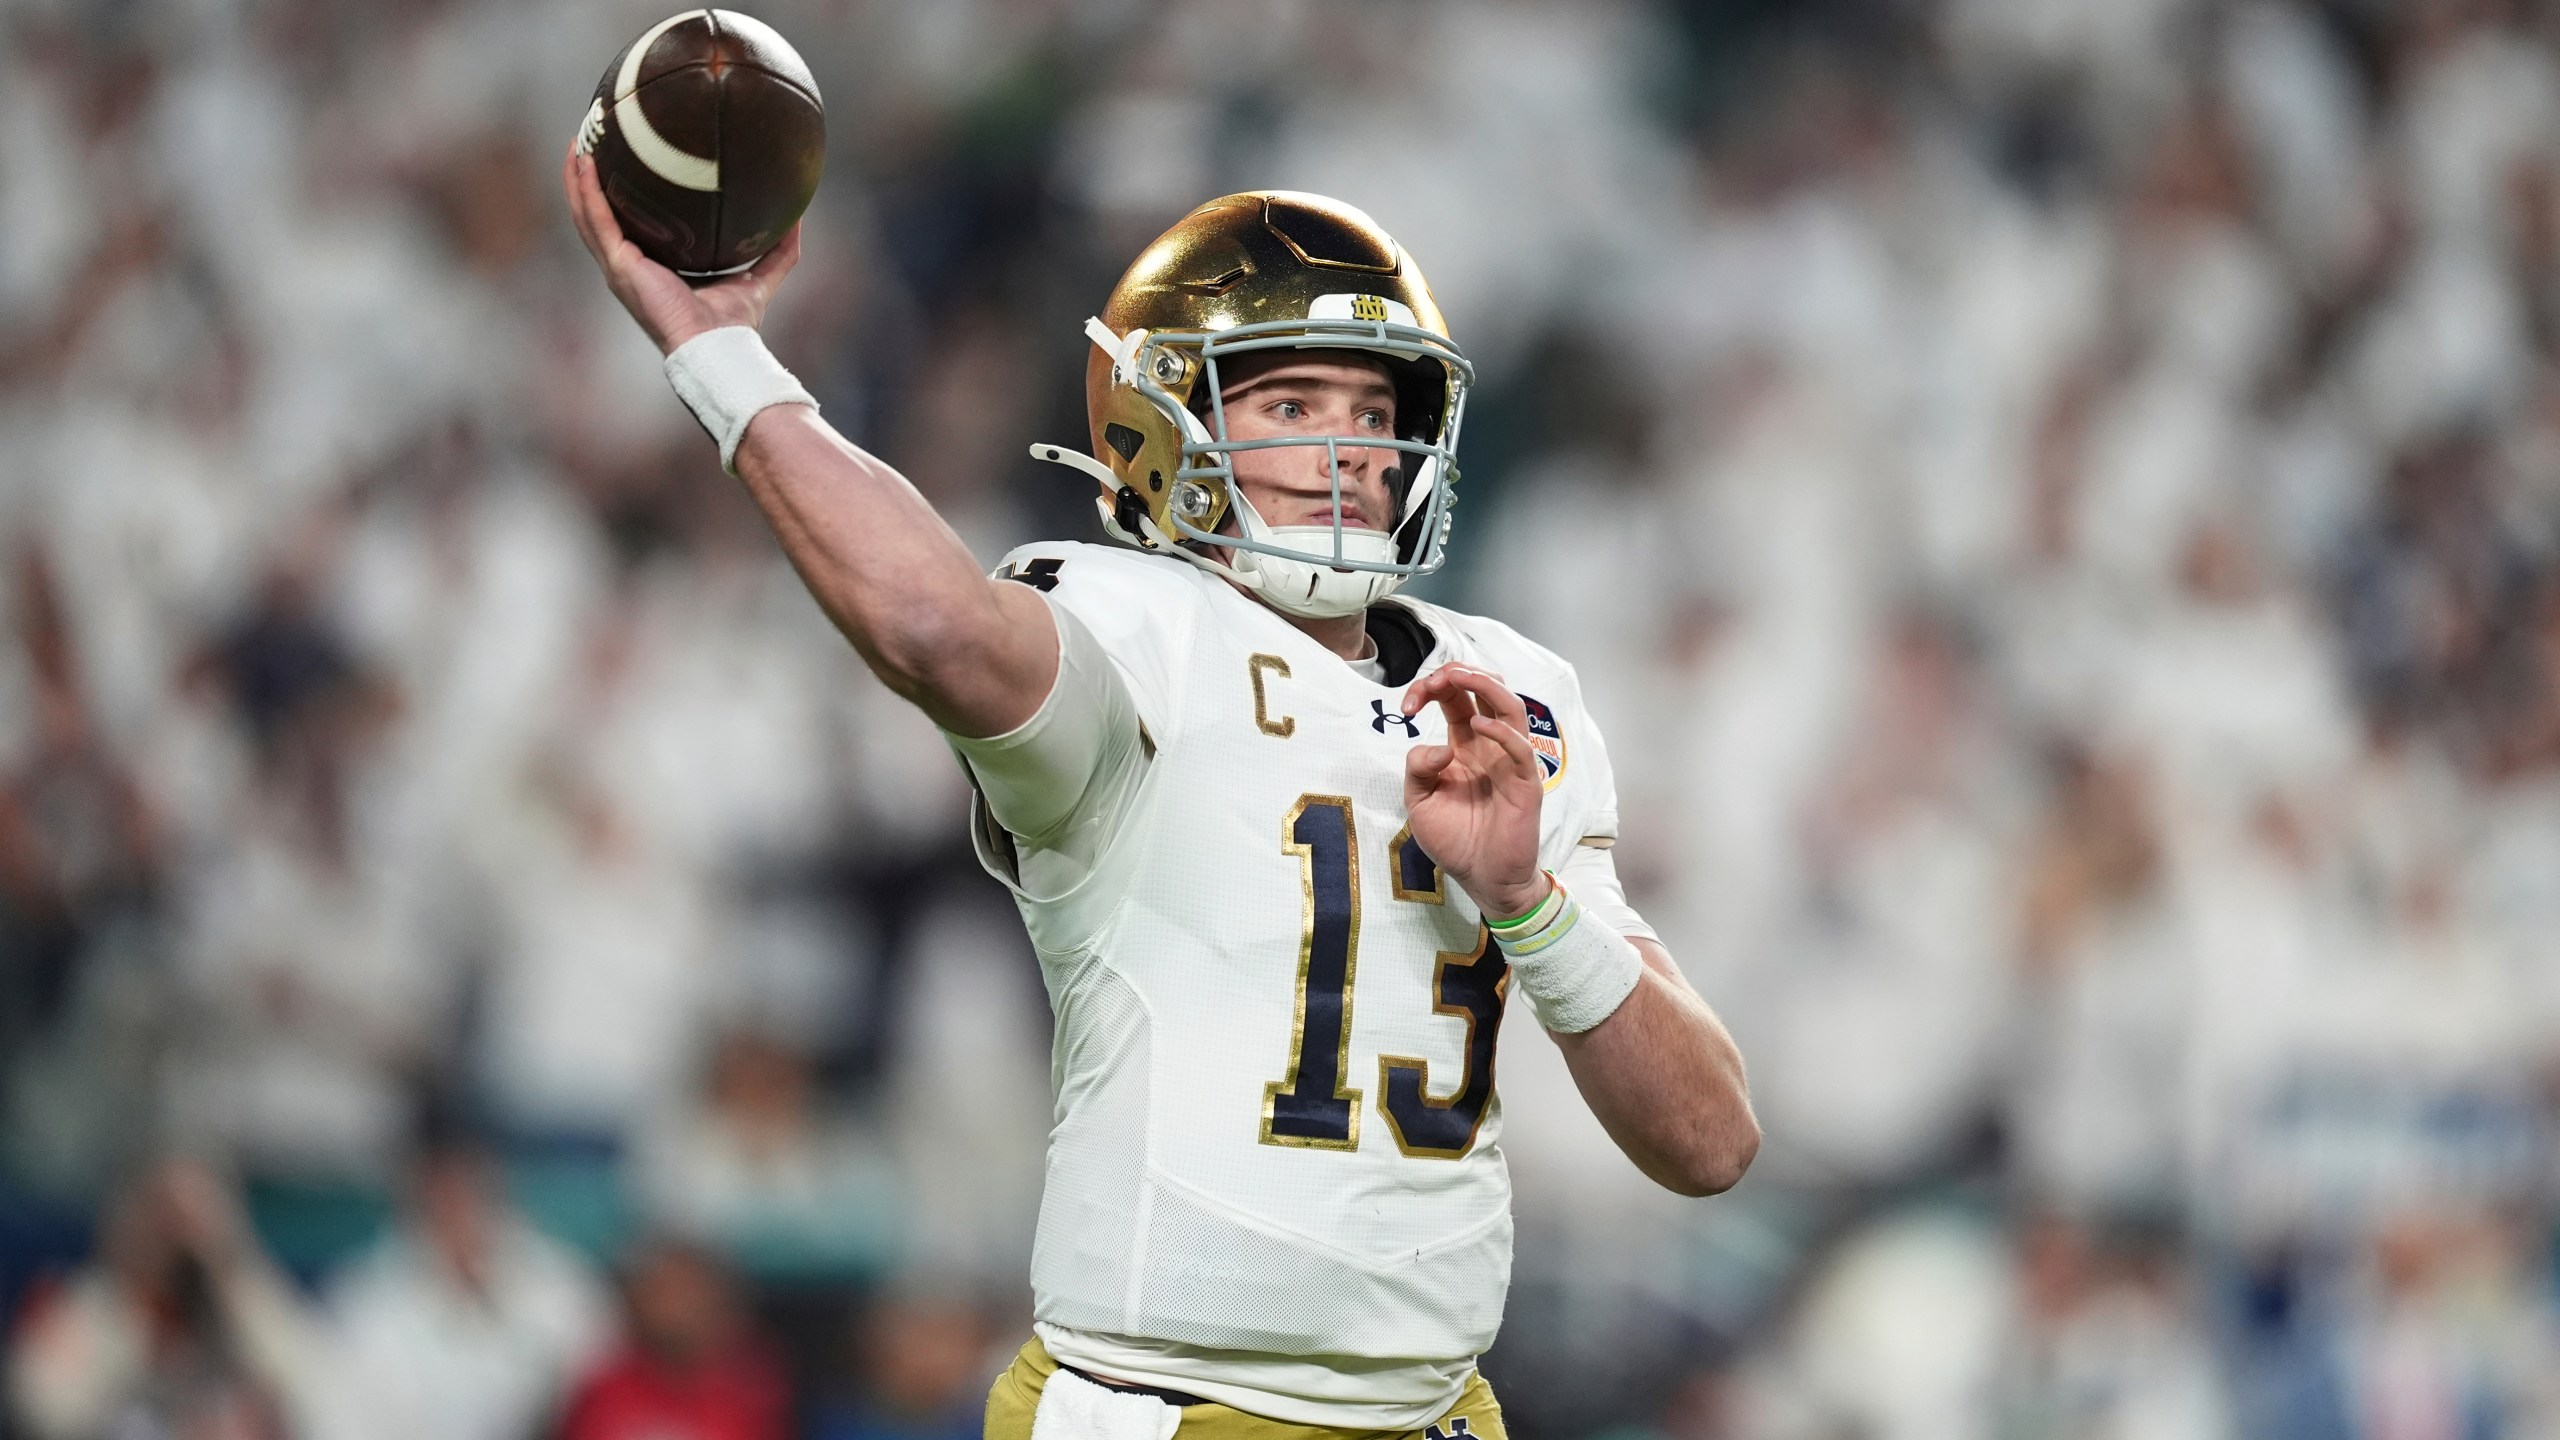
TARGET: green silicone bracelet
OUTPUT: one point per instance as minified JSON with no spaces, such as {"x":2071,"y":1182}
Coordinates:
{"x":1538,"y":914}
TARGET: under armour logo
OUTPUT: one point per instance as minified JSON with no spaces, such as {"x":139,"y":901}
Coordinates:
{"x":1457,"y":1430}
{"x":1387,"y":717}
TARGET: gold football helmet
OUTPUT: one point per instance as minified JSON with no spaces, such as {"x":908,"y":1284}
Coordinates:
{"x":1266,"y":270}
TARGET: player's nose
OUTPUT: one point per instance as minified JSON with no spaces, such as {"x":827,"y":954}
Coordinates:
{"x":1354,"y":455}
{"x":1341,"y":457}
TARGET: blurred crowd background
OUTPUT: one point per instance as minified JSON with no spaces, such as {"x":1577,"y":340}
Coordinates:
{"x":2057,"y":503}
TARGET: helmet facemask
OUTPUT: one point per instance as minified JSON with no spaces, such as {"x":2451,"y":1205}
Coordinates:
{"x":1321,"y":570}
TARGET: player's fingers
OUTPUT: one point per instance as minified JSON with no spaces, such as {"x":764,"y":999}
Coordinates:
{"x":572,"y":189}
{"x":778,"y":261}
{"x":1416,"y":695}
{"x":1492,"y":696}
{"x":580,"y":178}
{"x":1425,"y":762}
{"x":614,"y":248}
{"x":591,"y":214}
{"x":1434,"y":685}
{"x":1428,"y":688}
{"x":1514,"y":743}
{"x":1460,"y":691}
{"x":1457,"y":710}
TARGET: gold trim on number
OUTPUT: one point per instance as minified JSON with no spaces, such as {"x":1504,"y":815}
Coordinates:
{"x":1438,"y":894}
{"x":1306,"y":957}
{"x":1466,"y":1057}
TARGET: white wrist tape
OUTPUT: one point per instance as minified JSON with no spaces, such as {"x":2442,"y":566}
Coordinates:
{"x":725,"y":377}
{"x":1575,"y":970}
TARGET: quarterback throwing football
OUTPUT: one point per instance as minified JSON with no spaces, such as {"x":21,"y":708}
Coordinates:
{"x":1286,"y":842}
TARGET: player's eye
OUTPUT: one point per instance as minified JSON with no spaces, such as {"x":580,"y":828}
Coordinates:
{"x":1374,"y":420}
{"x":1289,"y":410}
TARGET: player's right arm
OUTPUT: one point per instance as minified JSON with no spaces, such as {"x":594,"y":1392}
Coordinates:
{"x":978,"y":656}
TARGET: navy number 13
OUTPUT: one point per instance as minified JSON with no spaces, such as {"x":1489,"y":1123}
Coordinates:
{"x":1315,"y":1107}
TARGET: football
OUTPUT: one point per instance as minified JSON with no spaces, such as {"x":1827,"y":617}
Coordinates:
{"x":709,"y":138}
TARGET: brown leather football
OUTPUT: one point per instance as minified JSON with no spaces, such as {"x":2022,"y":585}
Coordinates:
{"x":708,"y":137}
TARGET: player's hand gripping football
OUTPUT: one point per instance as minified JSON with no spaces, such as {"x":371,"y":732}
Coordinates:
{"x":1474,"y":800}
{"x":671,"y":311}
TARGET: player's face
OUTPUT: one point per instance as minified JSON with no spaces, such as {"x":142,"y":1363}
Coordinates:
{"x":1315,"y":394}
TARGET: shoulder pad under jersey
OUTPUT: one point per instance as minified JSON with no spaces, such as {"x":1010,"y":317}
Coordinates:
{"x":1140,"y":608}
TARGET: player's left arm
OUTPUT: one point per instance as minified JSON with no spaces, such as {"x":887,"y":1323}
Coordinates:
{"x":1658,"y":1069}
{"x":1665,"y":1079}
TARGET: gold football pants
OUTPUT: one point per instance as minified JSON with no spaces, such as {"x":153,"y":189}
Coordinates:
{"x":1017,"y":1393}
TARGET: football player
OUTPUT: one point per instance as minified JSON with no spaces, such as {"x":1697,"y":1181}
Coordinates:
{"x":1287,"y":842}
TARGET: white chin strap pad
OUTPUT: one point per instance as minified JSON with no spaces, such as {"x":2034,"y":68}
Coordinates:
{"x":1310,"y":587}
{"x":1305,"y":584}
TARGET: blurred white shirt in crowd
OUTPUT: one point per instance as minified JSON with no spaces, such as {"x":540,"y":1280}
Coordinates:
{"x":416,"y":1356}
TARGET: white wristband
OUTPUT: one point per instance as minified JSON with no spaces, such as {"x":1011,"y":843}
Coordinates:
{"x":1575,"y":970}
{"x":725,"y":377}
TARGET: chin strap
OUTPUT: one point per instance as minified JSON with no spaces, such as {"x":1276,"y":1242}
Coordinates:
{"x":1123,"y":349}
{"x":1077,"y":460}
{"x":1122,"y":514}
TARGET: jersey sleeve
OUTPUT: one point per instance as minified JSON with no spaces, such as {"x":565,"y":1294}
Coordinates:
{"x":1055,"y":780}
{"x":1138,"y":609}
{"x":1054,"y":790}
{"x":1599,"y":778}
{"x":1591,"y":870}
{"x":1592,"y":875}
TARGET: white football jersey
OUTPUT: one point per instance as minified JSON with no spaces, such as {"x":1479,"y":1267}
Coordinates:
{"x":1276,"y":1128}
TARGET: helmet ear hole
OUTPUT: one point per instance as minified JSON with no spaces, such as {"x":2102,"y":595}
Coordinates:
{"x":1422,"y":394}
{"x":1409,"y":535}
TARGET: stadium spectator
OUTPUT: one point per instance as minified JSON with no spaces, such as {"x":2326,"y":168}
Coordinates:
{"x":2459,"y":1337}
{"x":2104,"y":1348}
{"x":320,"y":990}
{"x":691,"y":1362}
{"x":757,"y":1171}
{"x":923,"y":1362}
{"x":464,"y":1323}
{"x":183,"y":1328}
{"x":78,"y":839}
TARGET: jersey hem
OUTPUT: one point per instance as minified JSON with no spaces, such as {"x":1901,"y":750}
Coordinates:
{"x":1123,"y":1360}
